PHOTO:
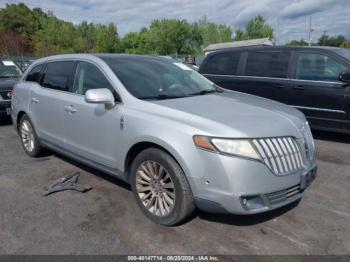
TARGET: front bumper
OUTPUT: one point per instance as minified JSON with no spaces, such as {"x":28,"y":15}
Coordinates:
{"x":5,"y":108}
{"x":241,"y":186}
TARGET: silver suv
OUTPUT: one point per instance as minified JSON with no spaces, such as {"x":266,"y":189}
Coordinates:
{"x":178,"y":139}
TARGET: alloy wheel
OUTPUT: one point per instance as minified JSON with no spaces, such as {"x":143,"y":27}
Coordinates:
{"x":27,"y":134}
{"x":155,"y":188}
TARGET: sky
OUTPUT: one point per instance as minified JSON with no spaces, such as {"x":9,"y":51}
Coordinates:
{"x":289,"y":18}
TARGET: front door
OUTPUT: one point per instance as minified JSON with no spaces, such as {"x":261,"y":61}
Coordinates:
{"x":317,"y":91}
{"x":92,"y":131}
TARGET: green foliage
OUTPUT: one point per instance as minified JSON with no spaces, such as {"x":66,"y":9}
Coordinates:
{"x":25,"y":31}
{"x":107,"y":40}
{"x":301,"y":42}
{"x":169,"y":35}
{"x":325,"y":40}
{"x":42,"y":33}
{"x":17,"y":18}
{"x":256,"y":28}
{"x":212,"y":33}
{"x":345,"y":44}
{"x":175,"y":37}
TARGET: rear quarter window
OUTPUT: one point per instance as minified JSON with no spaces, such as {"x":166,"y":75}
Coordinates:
{"x":35,"y":74}
{"x":267,"y":64}
{"x":222,"y":64}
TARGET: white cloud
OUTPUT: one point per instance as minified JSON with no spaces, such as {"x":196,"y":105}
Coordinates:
{"x":305,"y":7}
{"x":288,"y":18}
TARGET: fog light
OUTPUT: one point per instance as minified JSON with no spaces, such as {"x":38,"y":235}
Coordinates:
{"x":253,"y":202}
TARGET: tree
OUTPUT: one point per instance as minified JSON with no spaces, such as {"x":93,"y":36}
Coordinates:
{"x":131,"y":42}
{"x":345,"y":44}
{"x":42,"y":33}
{"x":17,"y":18}
{"x":301,"y":42}
{"x":85,"y":39}
{"x":212,"y":33}
{"x":47,"y":38}
{"x":107,"y":40}
{"x":325,"y":40}
{"x":170,"y":36}
{"x":256,"y":28}
{"x":13,"y":43}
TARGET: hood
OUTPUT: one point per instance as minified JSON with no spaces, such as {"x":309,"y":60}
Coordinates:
{"x":234,"y":114}
{"x":7,"y":84}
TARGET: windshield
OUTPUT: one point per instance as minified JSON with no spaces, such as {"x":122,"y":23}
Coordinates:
{"x":9,"y":69}
{"x":158,"y":78}
{"x":343,"y":52}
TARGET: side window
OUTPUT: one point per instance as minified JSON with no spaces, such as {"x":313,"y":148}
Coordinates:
{"x":318,"y":67}
{"x":267,"y":64}
{"x":35,"y":74}
{"x":222,"y":64}
{"x":57,"y":75}
{"x":89,"y":77}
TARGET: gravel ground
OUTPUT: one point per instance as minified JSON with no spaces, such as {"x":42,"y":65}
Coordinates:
{"x":106,"y":220}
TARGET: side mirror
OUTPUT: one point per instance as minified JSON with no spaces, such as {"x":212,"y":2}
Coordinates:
{"x":345,"y":77}
{"x":100,"y":96}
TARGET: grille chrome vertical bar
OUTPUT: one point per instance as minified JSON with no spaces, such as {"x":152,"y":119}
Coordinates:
{"x":262,"y":153}
{"x":269,"y":154}
{"x":292,"y":151}
{"x":276,"y":155}
{"x":296,"y":150}
{"x":280,"y":152}
{"x":282,"y":155}
{"x":287,"y":154}
{"x":299,"y":154}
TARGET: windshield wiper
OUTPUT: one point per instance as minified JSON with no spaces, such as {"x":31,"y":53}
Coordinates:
{"x":8,"y":76}
{"x":160,"y":97}
{"x":204,"y":92}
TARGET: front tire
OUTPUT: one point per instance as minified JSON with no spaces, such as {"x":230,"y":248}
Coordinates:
{"x":29,"y":139}
{"x":160,"y":187}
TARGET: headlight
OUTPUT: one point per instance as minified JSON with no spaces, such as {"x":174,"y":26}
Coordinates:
{"x":309,"y":141}
{"x":237,"y":147}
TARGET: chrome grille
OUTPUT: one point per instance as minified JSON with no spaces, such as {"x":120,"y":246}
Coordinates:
{"x":283,"y":195}
{"x":281,"y":154}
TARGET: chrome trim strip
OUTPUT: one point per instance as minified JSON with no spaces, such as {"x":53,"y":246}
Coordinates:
{"x":281,"y":78}
{"x":320,"y":109}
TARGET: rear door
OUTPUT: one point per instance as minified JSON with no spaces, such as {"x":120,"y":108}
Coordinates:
{"x":46,"y":101}
{"x":265,"y":74}
{"x":316,"y":89}
{"x":92,"y":131}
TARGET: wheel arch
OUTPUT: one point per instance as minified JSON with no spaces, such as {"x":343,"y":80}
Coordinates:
{"x":142,"y":145}
{"x":20,"y":114}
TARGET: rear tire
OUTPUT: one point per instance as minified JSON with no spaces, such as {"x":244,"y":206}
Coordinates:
{"x":161,"y":188}
{"x":29,"y":139}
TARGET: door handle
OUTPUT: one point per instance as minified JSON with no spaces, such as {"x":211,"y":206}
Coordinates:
{"x":299,"y":87}
{"x":277,"y":85}
{"x":35,"y":100}
{"x":70,"y":109}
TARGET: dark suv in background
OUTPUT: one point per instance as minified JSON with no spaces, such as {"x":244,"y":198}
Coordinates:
{"x":312,"y":79}
{"x":9,"y":74}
